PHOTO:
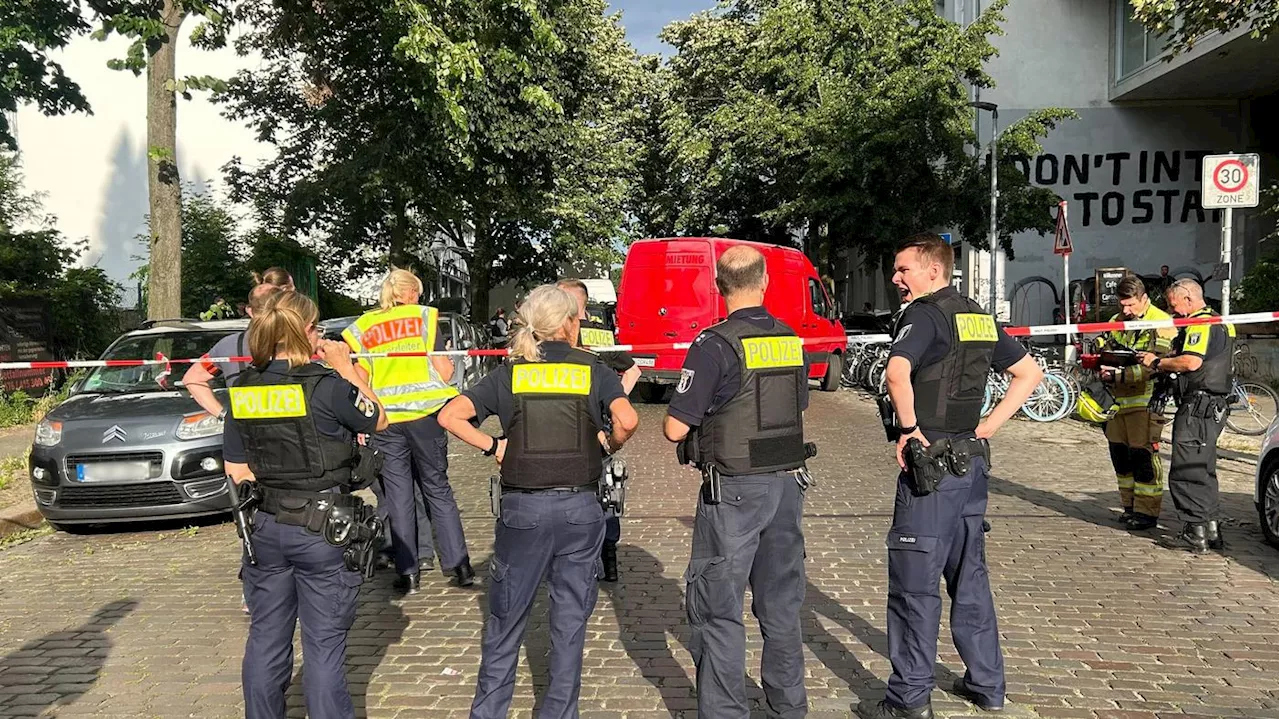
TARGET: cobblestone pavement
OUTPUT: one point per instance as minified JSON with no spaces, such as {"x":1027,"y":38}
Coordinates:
{"x":1096,"y":622}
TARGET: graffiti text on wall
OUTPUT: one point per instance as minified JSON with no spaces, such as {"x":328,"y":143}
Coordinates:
{"x":1153,"y":171}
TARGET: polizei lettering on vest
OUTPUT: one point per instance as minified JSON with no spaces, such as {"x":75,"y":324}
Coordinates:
{"x":974,"y":327}
{"x":269,"y":402}
{"x":392,"y":331}
{"x":766,"y":352}
{"x":551,"y":379}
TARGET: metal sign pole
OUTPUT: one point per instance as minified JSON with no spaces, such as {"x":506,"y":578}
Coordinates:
{"x":1226,"y":260}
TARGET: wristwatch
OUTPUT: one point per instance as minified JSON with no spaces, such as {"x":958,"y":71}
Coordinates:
{"x":223,"y":414}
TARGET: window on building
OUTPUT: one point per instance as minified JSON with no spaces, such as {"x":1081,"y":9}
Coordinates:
{"x":1136,"y":47}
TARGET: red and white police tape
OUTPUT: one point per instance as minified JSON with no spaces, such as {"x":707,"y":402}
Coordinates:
{"x":1040,"y":331}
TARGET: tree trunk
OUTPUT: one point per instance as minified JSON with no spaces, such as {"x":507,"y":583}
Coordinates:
{"x":399,"y":251}
{"x":481,"y":267}
{"x":164,"y":188}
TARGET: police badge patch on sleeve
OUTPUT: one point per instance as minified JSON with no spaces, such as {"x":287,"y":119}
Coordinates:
{"x":686,"y":381}
{"x":366,"y":406}
{"x":902,"y":334}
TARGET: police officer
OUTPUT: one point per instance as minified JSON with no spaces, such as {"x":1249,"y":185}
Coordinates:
{"x":1202,"y":357}
{"x":944,"y":347}
{"x":595,"y":333}
{"x":1133,"y":434}
{"x":291,"y":430}
{"x":551,"y":401}
{"x":737,"y":416}
{"x":413,"y":389}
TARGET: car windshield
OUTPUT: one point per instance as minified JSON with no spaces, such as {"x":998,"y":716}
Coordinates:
{"x":151,"y":378}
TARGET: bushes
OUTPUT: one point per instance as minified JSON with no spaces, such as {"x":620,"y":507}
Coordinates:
{"x":1257,"y":290}
{"x":19,"y":408}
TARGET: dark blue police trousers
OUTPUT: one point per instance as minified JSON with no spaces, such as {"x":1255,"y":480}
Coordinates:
{"x":935,"y":536}
{"x":552,"y":535}
{"x":752,"y":536}
{"x":299,"y":576}
{"x":420,"y":445}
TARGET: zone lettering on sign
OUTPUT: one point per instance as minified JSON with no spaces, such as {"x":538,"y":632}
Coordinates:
{"x":1229,"y":181}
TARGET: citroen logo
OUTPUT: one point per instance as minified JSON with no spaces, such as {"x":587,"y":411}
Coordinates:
{"x":116,"y":432}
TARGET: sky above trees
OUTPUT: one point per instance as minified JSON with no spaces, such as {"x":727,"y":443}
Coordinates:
{"x":644,"y":19}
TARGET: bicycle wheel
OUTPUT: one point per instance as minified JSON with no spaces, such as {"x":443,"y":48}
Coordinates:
{"x":1048,"y":401}
{"x":989,"y":396}
{"x":1253,"y":407}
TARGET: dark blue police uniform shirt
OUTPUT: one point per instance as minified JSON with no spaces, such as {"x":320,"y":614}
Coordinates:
{"x":712,"y":373}
{"x":340,"y":412}
{"x":492,"y":394}
{"x":924,"y":338}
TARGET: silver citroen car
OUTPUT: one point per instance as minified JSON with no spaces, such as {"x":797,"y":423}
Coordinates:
{"x":130,"y":443}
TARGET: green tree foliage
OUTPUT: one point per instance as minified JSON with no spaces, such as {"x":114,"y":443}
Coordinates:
{"x":844,"y":122}
{"x":213,"y":256}
{"x":1258,"y":289}
{"x":1185,"y":22}
{"x":29,"y":30}
{"x":39,"y":266}
{"x":489,"y":125}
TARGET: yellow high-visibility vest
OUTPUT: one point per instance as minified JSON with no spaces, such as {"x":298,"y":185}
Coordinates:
{"x":409,"y":387}
{"x":1134,"y":385}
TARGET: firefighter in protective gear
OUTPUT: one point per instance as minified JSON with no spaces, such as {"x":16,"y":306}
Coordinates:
{"x":1133,"y":434}
{"x":1202,"y":358}
{"x":551,"y":401}
{"x":291,"y":429}
{"x":744,"y":388}
{"x":416,"y":449}
{"x":943,"y":350}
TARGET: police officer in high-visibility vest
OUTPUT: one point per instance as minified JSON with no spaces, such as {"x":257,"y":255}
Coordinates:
{"x":595,"y":333}
{"x":943,"y":349}
{"x":413,"y":389}
{"x":1133,"y":434}
{"x":291,"y":432}
{"x":737,"y":415}
{"x":1202,"y":358}
{"x":552,"y":401}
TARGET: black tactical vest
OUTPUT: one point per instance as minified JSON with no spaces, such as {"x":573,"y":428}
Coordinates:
{"x":1215,"y":373}
{"x":762,"y":428}
{"x":552,"y":439}
{"x":595,"y":333}
{"x":949,"y":392}
{"x":285,"y":449}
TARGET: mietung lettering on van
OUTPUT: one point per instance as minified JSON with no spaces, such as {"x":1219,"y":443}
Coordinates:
{"x":974,"y":327}
{"x":772,"y":352}
{"x":278,"y":401}
{"x":551,"y":379}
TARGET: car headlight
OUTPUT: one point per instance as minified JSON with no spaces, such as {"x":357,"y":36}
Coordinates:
{"x":199,"y":426}
{"x":48,"y":433}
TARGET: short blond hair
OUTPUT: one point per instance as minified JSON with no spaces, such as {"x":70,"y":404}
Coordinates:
{"x":397,"y":283}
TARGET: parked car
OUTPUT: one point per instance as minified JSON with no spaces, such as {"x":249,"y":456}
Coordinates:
{"x":1266,"y":495}
{"x":668,"y":295}
{"x":128,"y":443}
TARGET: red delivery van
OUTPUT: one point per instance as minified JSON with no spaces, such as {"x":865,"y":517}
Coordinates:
{"x":668,"y":295}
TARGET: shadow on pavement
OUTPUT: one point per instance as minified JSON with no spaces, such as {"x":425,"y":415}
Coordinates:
{"x":48,"y":686}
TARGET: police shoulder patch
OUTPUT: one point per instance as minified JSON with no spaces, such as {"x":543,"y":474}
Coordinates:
{"x":686,"y":381}
{"x":902,"y":334}
{"x":366,"y":406}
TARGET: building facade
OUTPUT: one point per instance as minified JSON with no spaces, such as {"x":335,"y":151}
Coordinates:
{"x":1129,"y":167}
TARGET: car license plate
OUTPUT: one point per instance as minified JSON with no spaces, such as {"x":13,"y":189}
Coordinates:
{"x":645,"y":361}
{"x":136,"y":471}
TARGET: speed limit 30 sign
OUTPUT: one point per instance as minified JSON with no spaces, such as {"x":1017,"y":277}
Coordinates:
{"x":1229,"y":181}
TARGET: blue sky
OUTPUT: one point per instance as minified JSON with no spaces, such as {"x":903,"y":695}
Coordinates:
{"x":644,"y":19}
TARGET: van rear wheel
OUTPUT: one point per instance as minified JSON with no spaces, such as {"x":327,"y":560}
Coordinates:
{"x":835,"y":367}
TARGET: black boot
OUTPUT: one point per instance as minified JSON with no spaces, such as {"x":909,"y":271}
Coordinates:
{"x":609,"y":556}
{"x":885,"y":710}
{"x":465,"y":574}
{"x":1213,"y":536}
{"x":962,"y":690}
{"x":1125,"y":516}
{"x":1193,"y":537}
{"x":409,"y":583}
{"x":1139,"y":522}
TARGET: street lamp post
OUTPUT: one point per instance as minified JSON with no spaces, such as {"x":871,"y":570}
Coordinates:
{"x":995,"y":194}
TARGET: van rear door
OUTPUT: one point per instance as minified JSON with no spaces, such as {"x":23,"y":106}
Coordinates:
{"x":667,"y":295}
